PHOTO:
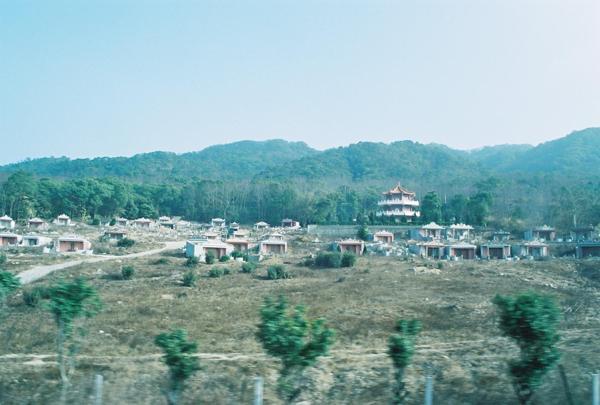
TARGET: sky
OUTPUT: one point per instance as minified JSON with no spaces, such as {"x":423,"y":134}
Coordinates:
{"x":115,"y":78}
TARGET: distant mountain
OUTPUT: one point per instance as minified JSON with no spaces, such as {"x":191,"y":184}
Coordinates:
{"x":422,"y":167}
{"x":238,"y":160}
{"x":577,"y":154}
{"x":500,"y":156}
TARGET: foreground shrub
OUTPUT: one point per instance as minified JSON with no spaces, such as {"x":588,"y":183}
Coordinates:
{"x":215,"y":272}
{"x":101,"y":250}
{"x":209,"y":258}
{"x":127,"y":272}
{"x":125,"y":243}
{"x":248,"y":267}
{"x":348,"y":259}
{"x":295,"y":340}
{"x":192,"y":261}
{"x":69,"y":301}
{"x":224,"y":258}
{"x":180,"y":357}
{"x":277,"y":272}
{"x":236,"y":254}
{"x":530,"y":320}
{"x":163,"y":260}
{"x":33,"y":296}
{"x":190,"y":278}
{"x":328,"y":260}
{"x":401,"y":347}
{"x":8,"y":283}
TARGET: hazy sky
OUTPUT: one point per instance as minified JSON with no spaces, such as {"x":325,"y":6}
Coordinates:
{"x":89,"y":78}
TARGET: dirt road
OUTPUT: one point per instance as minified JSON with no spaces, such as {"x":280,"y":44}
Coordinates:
{"x":35,"y":273}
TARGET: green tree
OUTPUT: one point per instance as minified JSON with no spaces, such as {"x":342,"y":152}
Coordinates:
{"x":455,"y":211}
{"x":8,"y":284}
{"x":209,"y":257}
{"x":348,"y":259}
{"x":69,"y":301}
{"x":363,"y":232}
{"x":401,"y":347}
{"x":180,"y":358}
{"x":296,"y":341}
{"x":478,"y":208}
{"x":19,"y":194}
{"x":530,"y":320}
{"x":431,"y":208}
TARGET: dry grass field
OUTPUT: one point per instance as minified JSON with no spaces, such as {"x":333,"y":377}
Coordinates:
{"x":460,"y":342}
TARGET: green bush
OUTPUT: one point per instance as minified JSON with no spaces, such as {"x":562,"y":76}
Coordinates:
{"x":236,"y":254}
{"x":179,"y":356}
{"x":127,"y":272}
{"x":190,"y":278}
{"x":401,"y":348}
{"x":297,"y":341}
{"x":348,"y":259}
{"x":192,"y":261}
{"x":2,"y":259}
{"x":248,"y":267}
{"x":163,"y":260}
{"x":226,"y":271}
{"x":530,"y":320}
{"x":125,"y":243}
{"x":96,"y":221}
{"x":8,"y":283}
{"x":328,"y":260}
{"x":33,"y":296}
{"x":308,"y":262}
{"x":215,"y":272}
{"x":112,"y":222}
{"x":277,"y":272}
{"x":101,"y":250}
{"x":224,"y":258}
{"x":209,"y":258}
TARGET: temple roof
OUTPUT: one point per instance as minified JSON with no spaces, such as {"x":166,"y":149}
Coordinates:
{"x":460,"y":226}
{"x":398,"y":189}
{"x":432,"y":225}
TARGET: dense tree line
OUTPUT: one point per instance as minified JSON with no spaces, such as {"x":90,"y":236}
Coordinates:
{"x":507,"y":203}
{"x":23,"y":196}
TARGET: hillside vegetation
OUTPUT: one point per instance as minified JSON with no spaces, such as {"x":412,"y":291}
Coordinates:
{"x":508,"y":186}
{"x":574,"y":154}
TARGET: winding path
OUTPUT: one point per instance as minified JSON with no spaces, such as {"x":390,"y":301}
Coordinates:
{"x":37,"y":272}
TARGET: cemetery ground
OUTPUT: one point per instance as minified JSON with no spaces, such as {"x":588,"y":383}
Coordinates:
{"x":460,"y":343}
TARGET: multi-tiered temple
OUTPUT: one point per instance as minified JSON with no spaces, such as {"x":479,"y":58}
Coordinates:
{"x":399,"y":203}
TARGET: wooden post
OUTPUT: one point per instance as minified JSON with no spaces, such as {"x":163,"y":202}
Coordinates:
{"x":596,"y":389}
{"x":258,"y":391}
{"x":99,"y":380}
{"x":429,"y":390}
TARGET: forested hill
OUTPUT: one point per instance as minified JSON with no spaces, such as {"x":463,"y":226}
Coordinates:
{"x":233,"y":161}
{"x":418,"y":166}
{"x":575,"y":155}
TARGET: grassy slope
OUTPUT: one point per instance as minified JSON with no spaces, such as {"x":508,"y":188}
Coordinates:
{"x":460,"y":337}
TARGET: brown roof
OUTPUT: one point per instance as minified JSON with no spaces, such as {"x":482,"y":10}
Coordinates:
{"x":398,"y":189}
